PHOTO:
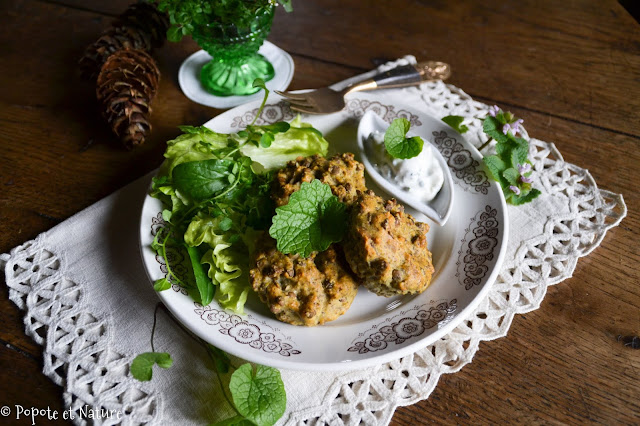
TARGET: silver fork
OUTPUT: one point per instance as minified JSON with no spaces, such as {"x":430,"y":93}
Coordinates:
{"x":326,"y":100}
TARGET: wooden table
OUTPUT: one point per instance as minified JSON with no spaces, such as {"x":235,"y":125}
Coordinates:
{"x":570,"y":69}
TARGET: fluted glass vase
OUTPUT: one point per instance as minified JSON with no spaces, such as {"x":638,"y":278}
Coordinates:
{"x":236,"y":62}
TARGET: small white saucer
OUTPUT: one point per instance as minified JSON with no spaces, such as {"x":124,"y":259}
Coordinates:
{"x":189,"y":80}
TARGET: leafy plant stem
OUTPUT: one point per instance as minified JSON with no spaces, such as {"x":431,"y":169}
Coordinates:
{"x":258,"y":82}
{"x":199,"y":341}
{"x":153,"y":327}
{"x":224,"y":392}
{"x":484,"y":145}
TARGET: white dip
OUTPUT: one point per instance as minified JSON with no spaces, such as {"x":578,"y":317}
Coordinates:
{"x":420,"y":176}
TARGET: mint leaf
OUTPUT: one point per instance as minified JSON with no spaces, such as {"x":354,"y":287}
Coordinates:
{"x":495,"y":166}
{"x":520,"y":151}
{"x":396,"y":142}
{"x":200,"y":180}
{"x":455,"y":121}
{"x":142,"y":365}
{"x":517,"y":200}
{"x":312,"y":220}
{"x":511,"y":175}
{"x":493,"y":128}
{"x":333,"y":212}
{"x":258,"y":395}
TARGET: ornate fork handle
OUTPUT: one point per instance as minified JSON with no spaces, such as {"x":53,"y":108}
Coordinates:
{"x":406,"y":75}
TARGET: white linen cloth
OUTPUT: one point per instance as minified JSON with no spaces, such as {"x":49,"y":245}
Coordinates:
{"x":87,"y":301}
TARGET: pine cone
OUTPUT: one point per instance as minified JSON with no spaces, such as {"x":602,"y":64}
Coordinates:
{"x":147,"y":19}
{"x":127,"y":83}
{"x":140,"y":27}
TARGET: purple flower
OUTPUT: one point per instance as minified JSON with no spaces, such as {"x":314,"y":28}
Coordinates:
{"x":493,"y":110}
{"x":515,"y":189}
{"x":524,"y":168}
{"x":514,"y":127}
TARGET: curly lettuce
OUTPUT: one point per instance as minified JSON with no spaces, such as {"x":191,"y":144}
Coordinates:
{"x":223,"y":258}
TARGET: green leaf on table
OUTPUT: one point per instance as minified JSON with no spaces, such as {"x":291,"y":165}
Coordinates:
{"x":397,"y":143}
{"x":259,"y":394}
{"x":201,"y":180}
{"x":455,"y":121}
{"x":312,"y":220}
{"x":142,"y":365}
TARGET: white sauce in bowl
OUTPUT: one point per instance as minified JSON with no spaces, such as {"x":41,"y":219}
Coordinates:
{"x":420,"y":176}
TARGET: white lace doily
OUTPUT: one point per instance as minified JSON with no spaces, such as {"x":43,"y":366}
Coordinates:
{"x":88,"y":354}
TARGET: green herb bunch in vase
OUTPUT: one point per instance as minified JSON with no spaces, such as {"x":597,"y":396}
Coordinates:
{"x":231,"y":31}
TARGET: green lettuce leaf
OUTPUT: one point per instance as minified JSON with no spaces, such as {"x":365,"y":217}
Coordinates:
{"x":225,"y":260}
{"x":300,"y":140}
{"x":195,"y":145}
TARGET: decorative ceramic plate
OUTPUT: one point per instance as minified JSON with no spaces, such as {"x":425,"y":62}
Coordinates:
{"x":467,"y":254}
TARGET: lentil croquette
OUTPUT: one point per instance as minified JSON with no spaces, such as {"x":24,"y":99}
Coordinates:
{"x":302,"y":291}
{"x":387,"y":248}
{"x":341,"y":172}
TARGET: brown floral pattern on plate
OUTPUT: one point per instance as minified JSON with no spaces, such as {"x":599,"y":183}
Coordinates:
{"x":270,"y":114}
{"x":357,"y":107}
{"x":405,"y":328}
{"x":243,"y":331}
{"x":481,"y":238}
{"x":468,"y":171}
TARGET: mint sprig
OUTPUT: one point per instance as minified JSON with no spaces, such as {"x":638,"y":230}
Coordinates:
{"x":510,"y":166}
{"x":397,"y":143}
{"x":312,"y":220}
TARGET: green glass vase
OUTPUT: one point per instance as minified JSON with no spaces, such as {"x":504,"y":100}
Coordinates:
{"x":236,"y":62}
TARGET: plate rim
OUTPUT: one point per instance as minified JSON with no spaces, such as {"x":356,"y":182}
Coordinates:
{"x":228,"y":345}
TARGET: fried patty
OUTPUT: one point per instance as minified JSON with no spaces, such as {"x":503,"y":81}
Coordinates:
{"x":387,"y":248}
{"x":302,"y":291}
{"x":341,"y":172}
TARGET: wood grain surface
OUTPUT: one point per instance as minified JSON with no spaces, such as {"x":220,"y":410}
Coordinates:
{"x":570,"y":69}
